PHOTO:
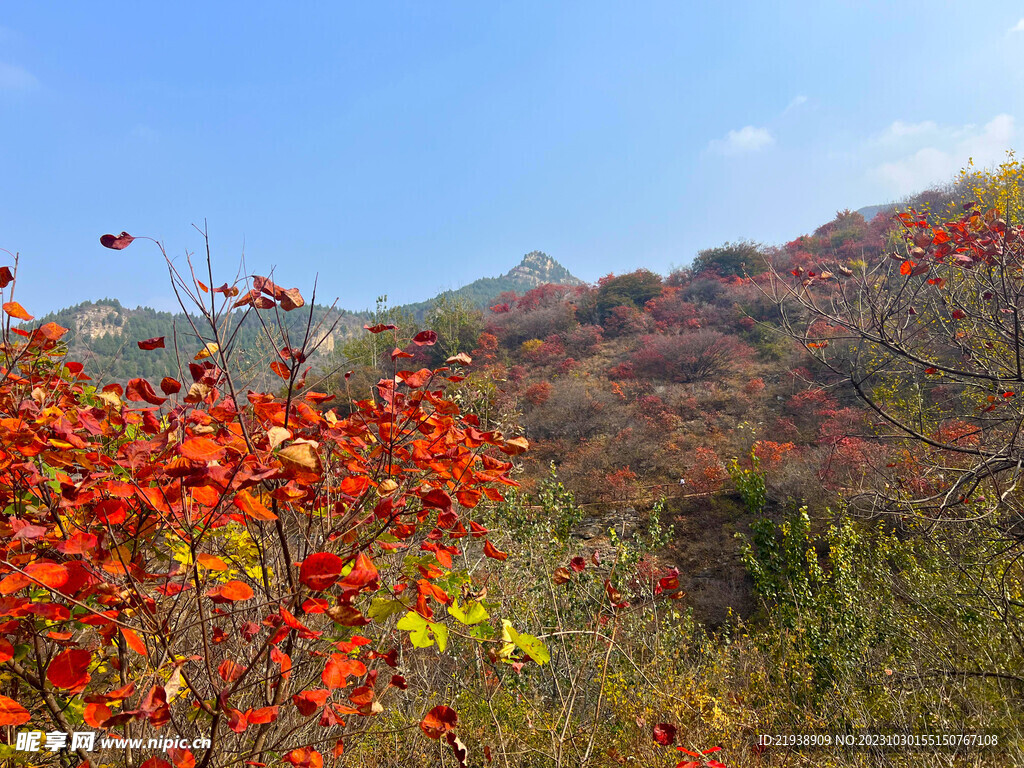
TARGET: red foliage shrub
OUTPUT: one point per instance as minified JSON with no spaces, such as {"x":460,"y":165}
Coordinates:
{"x":583,"y":340}
{"x":754,"y":387}
{"x":688,"y":357}
{"x":627,"y":321}
{"x":538,"y":393}
{"x":706,"y":473}
{"x":670,"y":310}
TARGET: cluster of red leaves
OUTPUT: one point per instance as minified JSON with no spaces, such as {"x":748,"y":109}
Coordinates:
{"x":98,"y":486}
{"x":664,"y":734}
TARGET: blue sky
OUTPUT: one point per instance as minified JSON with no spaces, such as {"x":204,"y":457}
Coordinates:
{"x":407,"y":147}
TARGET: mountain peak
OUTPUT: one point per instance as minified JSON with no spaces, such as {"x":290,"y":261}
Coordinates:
{"x":537,"y":268}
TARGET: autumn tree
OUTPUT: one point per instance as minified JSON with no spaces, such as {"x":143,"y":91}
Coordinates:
{"x":193,"y":560}
{"x":930,"y":340}
{"x":743,"y":257}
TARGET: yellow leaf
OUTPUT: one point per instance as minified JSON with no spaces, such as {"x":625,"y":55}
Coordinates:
{"x":277,"y":435}
{"x":207,"y":351}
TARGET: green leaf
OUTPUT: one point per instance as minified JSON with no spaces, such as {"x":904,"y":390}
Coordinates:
{"x":528,"y":644}
{"x":441,"y":633}
{"x":423,"y":633}
{"x":482,"y":632}
{"x":474,"y":615}
{"x":381,"y":609}
{"x":417,"y":627}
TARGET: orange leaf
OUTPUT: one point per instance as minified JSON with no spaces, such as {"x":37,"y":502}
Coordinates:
{"x":280,"y":369}
{"x":252,"y":506}
{"x":232,"y":591}
{"x":15,"y":310}
{"x":201,"y":449}
{"x":339,"y":668}
{"x":12,"y":713}
{"x":515,"y":445}
{"x":134,"y":642}
{"x":230,"y":671}
{"x":96,"y":714}
{"x":212,"y":562}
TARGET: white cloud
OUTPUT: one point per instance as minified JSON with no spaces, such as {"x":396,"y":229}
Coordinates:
{"x":1018,"y":27}
{"x":14,"y":78}
{"x":929,"y":154}
{"x":900,"y":130}
{"x":797,"y":101}
{"x":746,"y":139}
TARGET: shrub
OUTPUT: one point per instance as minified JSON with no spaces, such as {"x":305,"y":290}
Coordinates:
{"x":688,"y":357}
{"x":192,"y":542}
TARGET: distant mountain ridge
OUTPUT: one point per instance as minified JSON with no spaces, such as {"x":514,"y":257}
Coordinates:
{"x":536,"y":268}
{"x":104,"y":333}
{"x":870,"y":211}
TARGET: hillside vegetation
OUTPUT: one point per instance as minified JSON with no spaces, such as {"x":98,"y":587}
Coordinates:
{"x":640,"y":522}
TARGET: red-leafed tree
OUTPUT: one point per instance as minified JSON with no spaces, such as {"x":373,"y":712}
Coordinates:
{"x":186,"y":559}
{"x":931,"y":340}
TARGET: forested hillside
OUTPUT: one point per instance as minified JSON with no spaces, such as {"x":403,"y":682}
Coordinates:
{"x":642,"y":522}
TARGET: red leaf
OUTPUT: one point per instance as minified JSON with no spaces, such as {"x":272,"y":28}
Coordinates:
{"x":15,"y":310}
{"x":425,"y":338}
{"x":309,"y":702}
{"x":157,"y":342}
{"x":439,"y":721}
{"x":51,"y":575}
{"x":339,"y":668}
{"x":12,"y":713}
{"x":70,"y":669}
{"x":363,"y":573}
{"x":958,"y":314}
{"x":306,"y":757}
{"x":116,"y":242}
{"x":201,"y":449}
{"x":321,"y":570}
{"x":380,"y":327}
{"x":6,"y":277}
{"x":416,"y":379}
{"x":169,"y":386}
{"x":907,"y":267}
{"x":665,"y":734}
{"x":230,"y":671}
{"x":232,"y":591}
{"x":96,"y":714}
{"x":491,"y":551}
{"x":578,"y":564}
{"x":140,"y":390}
{"x":263,"y":715}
